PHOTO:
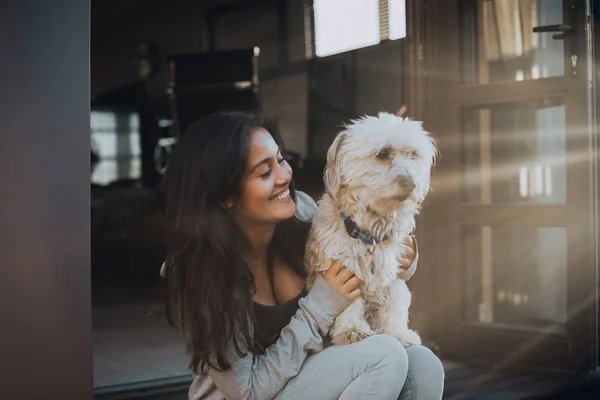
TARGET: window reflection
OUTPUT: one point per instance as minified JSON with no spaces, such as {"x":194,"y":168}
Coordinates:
{"x":515,"y":153}
{"x":516,"y":276}
{"x":115,"y":142}
{"x":500,"y":43}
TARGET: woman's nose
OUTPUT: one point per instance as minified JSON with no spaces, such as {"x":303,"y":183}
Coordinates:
{"x":284,"y":174}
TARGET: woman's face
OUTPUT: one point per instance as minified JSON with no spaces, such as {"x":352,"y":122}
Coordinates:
{"x":265,"y":196}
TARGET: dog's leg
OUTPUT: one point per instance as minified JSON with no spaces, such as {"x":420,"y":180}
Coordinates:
{"x":391,"y":317}
{"x":350,"y":325}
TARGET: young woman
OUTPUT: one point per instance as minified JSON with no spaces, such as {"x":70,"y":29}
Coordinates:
{"x":236,"y":280}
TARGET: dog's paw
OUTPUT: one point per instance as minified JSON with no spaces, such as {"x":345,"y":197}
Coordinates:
{"x":407,"y":337}
{"x":349,"y":337}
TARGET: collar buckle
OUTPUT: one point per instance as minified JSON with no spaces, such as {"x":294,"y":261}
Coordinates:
{"x":356,"y":233}
{"x":352,"y":229}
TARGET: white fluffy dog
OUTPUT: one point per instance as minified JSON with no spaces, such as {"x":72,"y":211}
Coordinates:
{"x":377,"y":176}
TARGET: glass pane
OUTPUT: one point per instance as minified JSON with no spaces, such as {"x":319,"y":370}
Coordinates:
{"x":132,"y":340}
{"x":516,"y":276}
{"x":115,"y":145}
{"x":337,"y":31}
{"x":499,"y":43}
{"x":515,"y":153}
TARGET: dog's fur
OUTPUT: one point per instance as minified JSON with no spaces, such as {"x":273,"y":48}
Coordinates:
{"x":373,"y":190}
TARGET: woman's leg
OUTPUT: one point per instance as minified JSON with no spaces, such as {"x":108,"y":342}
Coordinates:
{"x":425,"y":378}
{"x":374,"y":368}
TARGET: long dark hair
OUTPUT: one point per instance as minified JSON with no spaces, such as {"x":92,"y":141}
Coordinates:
{"x":209,"y":285}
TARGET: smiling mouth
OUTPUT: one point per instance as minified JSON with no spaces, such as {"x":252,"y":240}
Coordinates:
{"x":281,"y":196}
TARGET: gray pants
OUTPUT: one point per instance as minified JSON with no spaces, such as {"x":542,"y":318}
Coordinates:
{"x":377,"y":368}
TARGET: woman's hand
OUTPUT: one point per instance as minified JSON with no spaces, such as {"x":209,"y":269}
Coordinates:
{"x":410,"y":254}
{"x":342,"y":280}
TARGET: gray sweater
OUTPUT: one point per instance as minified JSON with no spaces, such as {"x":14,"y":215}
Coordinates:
{"x":262,"y":377}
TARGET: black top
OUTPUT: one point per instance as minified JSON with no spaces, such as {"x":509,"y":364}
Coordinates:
{"x":270,"y":320}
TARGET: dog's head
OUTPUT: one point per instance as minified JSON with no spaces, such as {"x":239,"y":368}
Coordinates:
{"x":381,"y":162}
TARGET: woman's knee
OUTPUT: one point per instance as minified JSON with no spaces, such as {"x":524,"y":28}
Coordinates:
{"x":389,"y":351}
{"x":424,"y":362}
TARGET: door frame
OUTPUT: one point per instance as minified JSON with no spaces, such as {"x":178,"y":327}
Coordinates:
{"x":434,"y":95}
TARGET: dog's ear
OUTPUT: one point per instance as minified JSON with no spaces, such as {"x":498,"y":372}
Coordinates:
{"x":332,"y":176}
{"x":402,"y":111}
{"x":426,"y":178}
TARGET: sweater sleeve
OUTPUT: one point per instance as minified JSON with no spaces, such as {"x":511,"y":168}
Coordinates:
{"x":410,"y":271}
{"x":263,"y":376}
{"x":306,"y":207}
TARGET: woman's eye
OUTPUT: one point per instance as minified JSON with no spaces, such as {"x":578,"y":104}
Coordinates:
{"x":268,"y":173}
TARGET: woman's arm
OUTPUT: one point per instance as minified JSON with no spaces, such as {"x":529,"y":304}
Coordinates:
{"x":409,"y":266}
{"x":263,"y":376}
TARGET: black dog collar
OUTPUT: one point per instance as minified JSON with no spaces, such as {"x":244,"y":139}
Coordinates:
{"x":356,"y":233}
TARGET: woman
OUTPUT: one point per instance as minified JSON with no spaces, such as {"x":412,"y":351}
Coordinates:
{"x":236,"y":280}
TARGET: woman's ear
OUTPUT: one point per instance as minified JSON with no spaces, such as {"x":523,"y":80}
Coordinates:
{"x":227,"y":204}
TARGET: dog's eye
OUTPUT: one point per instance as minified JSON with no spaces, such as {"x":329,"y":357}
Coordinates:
{"x":413,"y":155}
{"x":384,"y":154}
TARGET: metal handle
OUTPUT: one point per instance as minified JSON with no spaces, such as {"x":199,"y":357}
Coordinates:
{"x":553,"y":28}
{"x":569,"y":34}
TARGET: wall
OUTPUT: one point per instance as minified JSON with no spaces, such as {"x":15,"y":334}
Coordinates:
{"x":45,"y":296}
{"x":379,"y":85}
{"x":176,"y":26}
{"x":181,"y":26}
{"x":283,"y":95}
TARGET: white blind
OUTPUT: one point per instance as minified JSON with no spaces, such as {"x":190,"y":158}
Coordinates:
{"x":397,"y":19}
{"x":343,"y":25}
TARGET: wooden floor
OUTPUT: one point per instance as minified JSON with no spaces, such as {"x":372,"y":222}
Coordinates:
{"x":473,"y":381}
{"x":463,"y":381}
{"x":131,"y":343}
{"x":138,"y":356}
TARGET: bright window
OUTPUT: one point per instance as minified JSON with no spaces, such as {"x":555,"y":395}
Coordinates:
{"x":116,"y":142}
{"x":343,"y":25}
{"x":397,"y":18}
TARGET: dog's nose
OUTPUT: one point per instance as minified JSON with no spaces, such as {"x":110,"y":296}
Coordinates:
{"x":406,"y":183}
{"x":405,"y":179}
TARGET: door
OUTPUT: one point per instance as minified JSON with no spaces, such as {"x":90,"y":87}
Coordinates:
{"x":513,"y":207}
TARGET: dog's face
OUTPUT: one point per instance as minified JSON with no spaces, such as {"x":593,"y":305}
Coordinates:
{"x":382,"y":162}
